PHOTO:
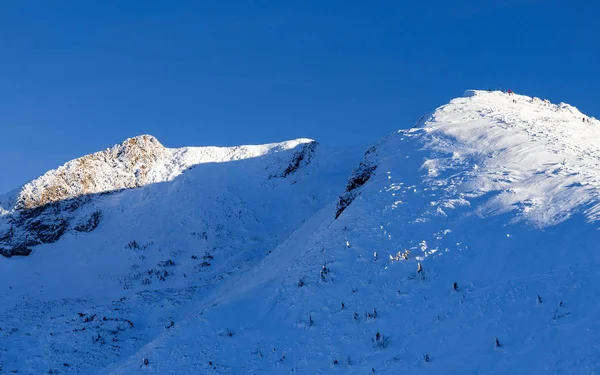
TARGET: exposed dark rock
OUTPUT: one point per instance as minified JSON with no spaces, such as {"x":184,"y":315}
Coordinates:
{"x":359,"y":177}
{"x":299,"y":159}
{"x":21,"y":250}
{"x":36,"y":226}
{"x":49,"y":230}
{"x":7,"y":236}
{"x":90,"y":223}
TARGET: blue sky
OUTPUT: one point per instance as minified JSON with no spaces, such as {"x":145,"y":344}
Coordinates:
{"x":80,"y":76}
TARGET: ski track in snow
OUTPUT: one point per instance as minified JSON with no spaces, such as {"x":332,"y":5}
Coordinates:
{"x":498,"y":196}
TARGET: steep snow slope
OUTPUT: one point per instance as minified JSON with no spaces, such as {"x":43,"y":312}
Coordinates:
{"x":496,"y":196}
{"x":267,"y":265}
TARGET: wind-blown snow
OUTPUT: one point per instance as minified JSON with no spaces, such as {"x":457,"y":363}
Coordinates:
{"x":539,"y":159}
{"x":242,"y":267}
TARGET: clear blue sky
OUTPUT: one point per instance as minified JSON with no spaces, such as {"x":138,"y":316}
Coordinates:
{"x":80,"y":76}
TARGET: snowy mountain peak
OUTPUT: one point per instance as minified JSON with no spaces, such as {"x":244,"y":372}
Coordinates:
{"x":136,"y":162}
{"x":125,"y":165}
{"x":139,"y":146}
{"x":509,"y":153}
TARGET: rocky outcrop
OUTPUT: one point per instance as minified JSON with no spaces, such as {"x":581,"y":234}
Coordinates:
{"x":359,"y":177}
{"x":123,"y":166}
{"x":45,"y":224}
{"x":300,"y":158}
{"x":89,"y":223}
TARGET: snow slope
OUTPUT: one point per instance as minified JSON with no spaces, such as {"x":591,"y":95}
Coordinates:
{"x":495,"y":193}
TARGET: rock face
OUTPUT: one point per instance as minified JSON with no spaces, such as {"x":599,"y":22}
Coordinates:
{"x":40,"y":225}
{"x":124,"y":166}
{"x":359,"y":177}
{"x":300,"y":158}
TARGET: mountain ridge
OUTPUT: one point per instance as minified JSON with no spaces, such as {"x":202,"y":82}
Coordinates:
{"x":135,"y":162}
{"x":465,"y":244}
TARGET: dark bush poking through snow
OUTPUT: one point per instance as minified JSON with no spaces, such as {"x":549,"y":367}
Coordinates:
{"x":380,"y":340}
{"x":301,"y":283}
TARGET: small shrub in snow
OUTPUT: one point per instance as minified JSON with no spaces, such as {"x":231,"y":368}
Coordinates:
{"x":380,"y":340}
{"x":229,"y":333}
{"x":89,"y":318}
{"x":426,"y":357}
{"x":335,"y":361}
{"x":301,"y":283}
{"x":194,"y":257}
{"x":134,"y":245}
{"x":400,"y":256}
{"x":98,"y":339}
{"x":372,"y":315}
{"x":324,"y":271}
{"x":167,"y":263}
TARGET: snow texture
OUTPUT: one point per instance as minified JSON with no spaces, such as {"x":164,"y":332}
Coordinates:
{"x":482,"y":218}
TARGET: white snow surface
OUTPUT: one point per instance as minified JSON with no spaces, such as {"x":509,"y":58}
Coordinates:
{"x":239,"y":270}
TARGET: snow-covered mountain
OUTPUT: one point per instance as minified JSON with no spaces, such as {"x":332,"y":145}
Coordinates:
{"x":463,"y":245}
{"x":42,"y":210}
